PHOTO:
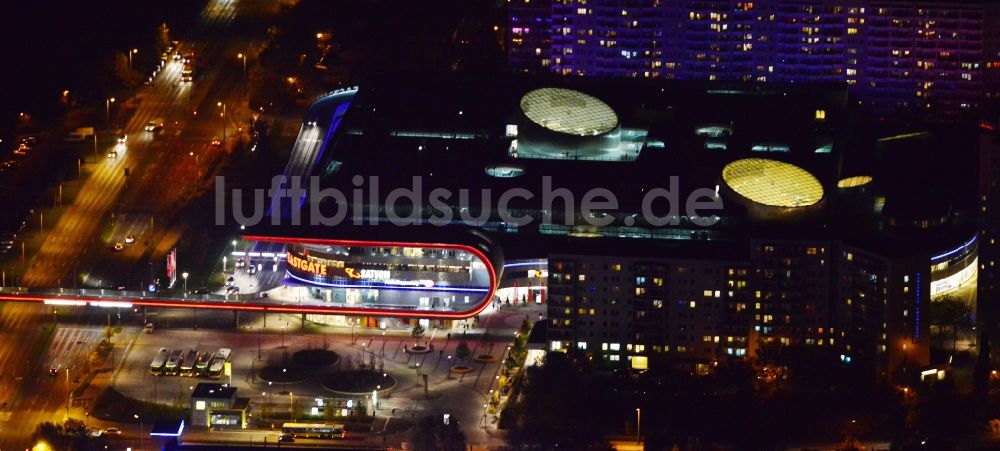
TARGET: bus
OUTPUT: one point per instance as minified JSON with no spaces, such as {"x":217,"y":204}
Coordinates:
{"x":187,"y":365}
{"x":313,"y":430}
{"x":201,"y":366}
{"x":159,"y":361}
{"x":215,"y":368}
{"x":173,"y":362}
{"x":187,"y":73}
{"x":224,"y":353}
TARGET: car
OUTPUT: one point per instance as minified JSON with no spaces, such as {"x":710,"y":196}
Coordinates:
{"x":232,"y":290}
{"x":129,"y":239}
{"x":286,"y":438}
{"x":252,"y":269}
{"x":149,"y":328}
{"x":119,"y":246}
{"x":154,"y":125}
{"x":112,"y":154}
{"x":29,"y":140}
{"x":201,"y":290}
{"x":230,"y":280}
{"x":121,"y":137}
{"x":177,"y":56}
{"x":216,"y":142}
{"x":241,"y":263}
{"x":113,"y":431}
{"x":54,"y":371}
{"x":22,"y":149}
{"x":95,"y":433}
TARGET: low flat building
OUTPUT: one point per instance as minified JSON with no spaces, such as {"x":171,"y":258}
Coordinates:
{"x":215,"y":406}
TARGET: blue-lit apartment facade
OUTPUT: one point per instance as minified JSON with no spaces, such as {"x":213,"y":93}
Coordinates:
{"x":892,"y":54}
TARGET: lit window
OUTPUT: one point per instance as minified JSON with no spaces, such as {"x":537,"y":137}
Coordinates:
{"x":199,"y":405}
{"x":615,"y":347}
{"x":821,"y":114}
{"x":581,"y":345}
{"x":692,"y":304}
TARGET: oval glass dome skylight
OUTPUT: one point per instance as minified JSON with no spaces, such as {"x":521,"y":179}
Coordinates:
{"x":714,"y":130}
{"x":568,"y":111}
{"x":854,"y":182}
{"x":504,"y":171}
{"x":772,"y":183}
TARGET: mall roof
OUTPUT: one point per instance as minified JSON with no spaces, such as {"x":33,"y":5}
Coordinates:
{"x":457,"y":134}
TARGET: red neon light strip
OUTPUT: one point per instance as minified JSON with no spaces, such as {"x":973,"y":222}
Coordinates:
{"x":301,"y":309}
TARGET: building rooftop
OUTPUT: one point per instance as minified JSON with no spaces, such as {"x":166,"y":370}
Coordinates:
{"x":211,"y":390}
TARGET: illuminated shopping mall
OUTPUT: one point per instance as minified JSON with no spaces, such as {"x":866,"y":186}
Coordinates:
{"x":818,"y":231}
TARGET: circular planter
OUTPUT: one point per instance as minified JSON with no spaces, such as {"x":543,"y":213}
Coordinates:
{"x":460,"y":369}
{"x":485,"y":358}
{"x":282,"y":375}
{"x":315,"y":357}
{"x":418,"y":349}
{"x":359,"y":382}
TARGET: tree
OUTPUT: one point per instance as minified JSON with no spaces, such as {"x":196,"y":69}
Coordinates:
{"x":462,"y":351}
{"x":418,"y":331}
{"x":560,"y":408}
{"x":71,"y":436}
{"x":432,"y":434}
{"x":162,"y":37}
{"x":121,"y":71}
{"x":525,"y":326}
{"x":947,"y":310}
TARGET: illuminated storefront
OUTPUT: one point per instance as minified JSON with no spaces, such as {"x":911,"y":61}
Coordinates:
{"x":956,"y":271}
{"x":388,"y":279}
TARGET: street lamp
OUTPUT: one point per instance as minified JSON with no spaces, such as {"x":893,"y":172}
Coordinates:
{"x":136,"y":416}
{"x":223,"y":105}
{"x":638,"y":413}
{"x":107,"y":107}
{"x":130,"y":53}
{"x":184,"y":275}
{"x":243,"y":58}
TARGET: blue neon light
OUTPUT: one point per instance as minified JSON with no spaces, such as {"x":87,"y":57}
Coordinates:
{"x":514,"y":265}
{"x":917,"y":332}
{"x":338,"y":116}
{"x":170,"y":434}
{"x":387,"y":287}
{"x":958,"y":249}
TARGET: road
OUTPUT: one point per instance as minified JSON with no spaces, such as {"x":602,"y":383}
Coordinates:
{"x":166,"y":170}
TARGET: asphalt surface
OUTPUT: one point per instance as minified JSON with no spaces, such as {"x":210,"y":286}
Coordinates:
{"x":166,"y":170}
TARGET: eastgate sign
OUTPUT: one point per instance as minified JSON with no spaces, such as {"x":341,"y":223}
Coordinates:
{"x":308,"y":265}
{"x":322,"y":267}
